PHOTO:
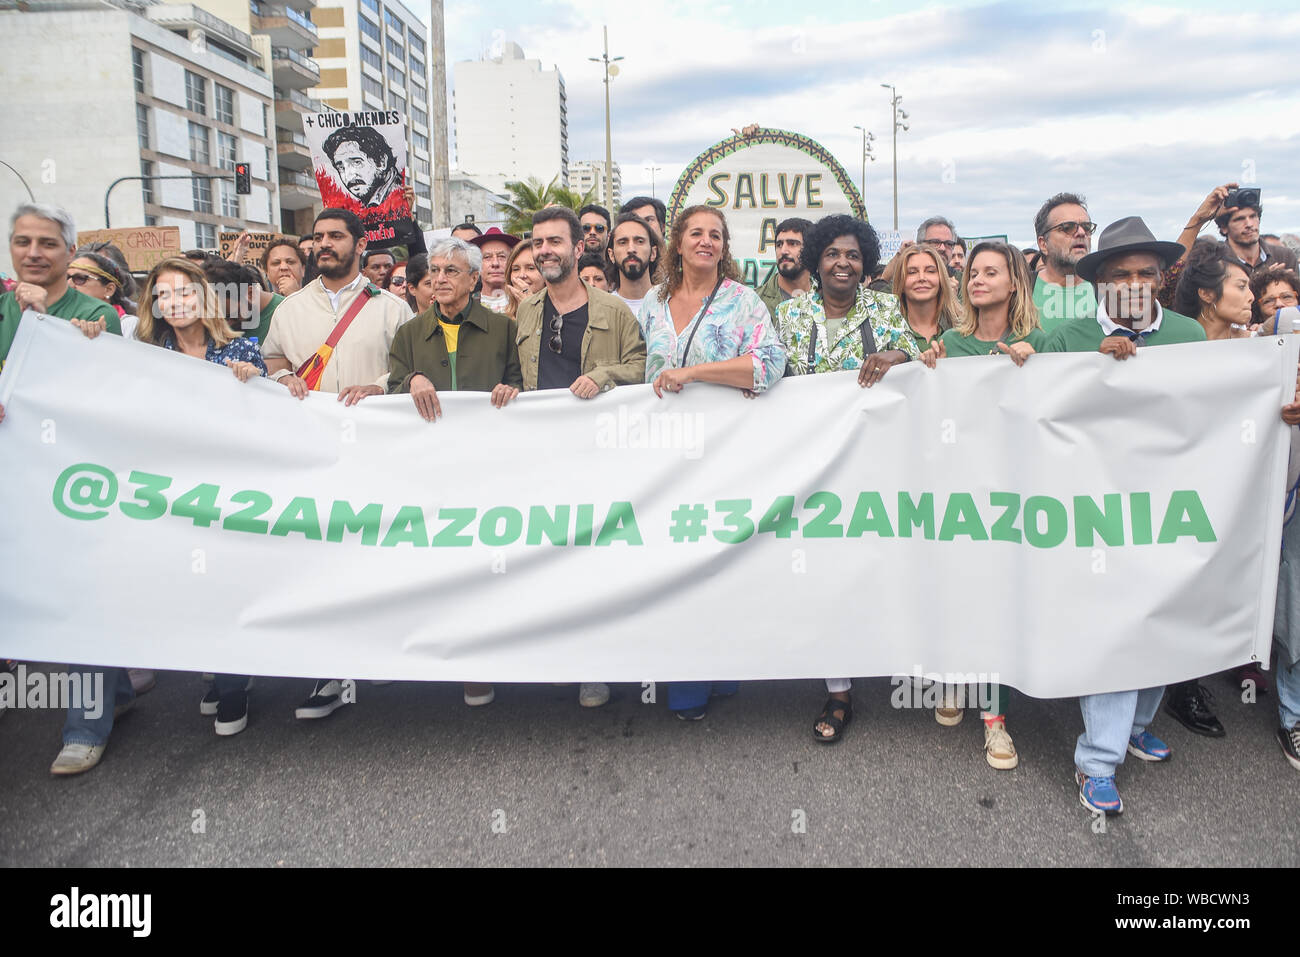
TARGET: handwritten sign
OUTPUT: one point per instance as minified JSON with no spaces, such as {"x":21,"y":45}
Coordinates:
{"x":757,"y":182}
{"x":257,"y":243}
{"x":143,"y":246}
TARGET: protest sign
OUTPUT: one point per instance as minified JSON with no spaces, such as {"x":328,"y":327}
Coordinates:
{"x":143,"y":246}
{"x":759,"y":179}
{"x":890,"y":241}
{"x":359,"y":160}
{"x":974,"y":518}
{"x":257,"y":243}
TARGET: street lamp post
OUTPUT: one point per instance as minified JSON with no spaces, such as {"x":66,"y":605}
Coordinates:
{"x":867,"y":139}
{"x":653,"y":170}
{"x":899,"y":116}
{"x":610,"y":70}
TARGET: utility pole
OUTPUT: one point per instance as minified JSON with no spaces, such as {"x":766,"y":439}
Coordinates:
{"x":610,"y":70}
{"x":653,"y":170}
{"x":867,"y":140}
{"x":899,"y":116}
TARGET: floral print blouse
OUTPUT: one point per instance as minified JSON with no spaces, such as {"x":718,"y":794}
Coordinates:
{"x":800,"y":316}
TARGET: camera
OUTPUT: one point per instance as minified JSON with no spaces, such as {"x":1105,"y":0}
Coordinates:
{"x":1242,"y":198}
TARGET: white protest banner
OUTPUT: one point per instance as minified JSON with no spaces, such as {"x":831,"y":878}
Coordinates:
{"x":759,"y":178}
{"x":1076,"y":525}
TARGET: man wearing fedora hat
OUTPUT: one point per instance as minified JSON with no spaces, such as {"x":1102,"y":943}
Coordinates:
{"x":1125,"y":271}
{"x":495,"y":247}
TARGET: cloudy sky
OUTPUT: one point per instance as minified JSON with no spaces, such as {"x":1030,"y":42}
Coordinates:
{"x":1142,"y":109}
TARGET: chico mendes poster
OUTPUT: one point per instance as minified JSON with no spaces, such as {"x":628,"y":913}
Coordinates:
{"x":359,"y":159}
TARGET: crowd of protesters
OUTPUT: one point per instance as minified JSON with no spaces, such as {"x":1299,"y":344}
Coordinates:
{"x":589,"y":302}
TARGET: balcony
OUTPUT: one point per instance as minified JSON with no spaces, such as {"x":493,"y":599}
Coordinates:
{"x":298,"y":190}
{"x":291,"y":148}
{"x":291,"y":70}
{"x":283,"y":24}
{"x":290,"y":108}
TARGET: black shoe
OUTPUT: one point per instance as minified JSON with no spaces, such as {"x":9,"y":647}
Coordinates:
{"x":1189,"y":705}
{"x":326,"y":698}
{"x":232,"y":713}
{"x":1289,"y":738}
{"x":210,"y":700}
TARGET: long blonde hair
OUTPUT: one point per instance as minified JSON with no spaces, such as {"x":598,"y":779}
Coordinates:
{"x":948,"y":311}
{"x":153,"y":328}
{"x":675,"y":273}
{"x":1022,"y":314}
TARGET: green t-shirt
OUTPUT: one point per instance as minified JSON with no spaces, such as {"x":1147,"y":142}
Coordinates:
{"x":1060,"y":304}
{"x":71,"y":305}
{"x":1085,"y":335}
{"x":958,"y":345}
{"x":922,"y":343}
{"x":264,"y":319}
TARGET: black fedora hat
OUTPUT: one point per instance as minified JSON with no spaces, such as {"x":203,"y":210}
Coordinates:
{"x":1127,"y":235}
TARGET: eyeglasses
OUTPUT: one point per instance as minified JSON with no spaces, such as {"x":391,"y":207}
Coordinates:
{"x":593,"y":227}
{"x":1069,"y":228}
{"x":451,"y":272}
{"x":79,"y":278}
{"x":555,"y":343}
{"x":397,"y":281}
{"x":945,"y":244}
{"x":1271,"y":303}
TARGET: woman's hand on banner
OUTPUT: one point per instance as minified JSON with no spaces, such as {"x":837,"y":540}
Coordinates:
{"x":1018,"y":351}
{"x":425,"y":397}
{"x":933,"y":354}
{"x":502,"y":394}
{"x":355,"y":393}
{"x":670,"y":380}
{"x":243,"y":370}
{"x":877,"y":364}
{"x":90,"y":329}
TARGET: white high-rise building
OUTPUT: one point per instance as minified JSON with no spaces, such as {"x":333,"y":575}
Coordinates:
{"x":590,"y":174}
{"x":378,"y":55}
{"x":157,"y":91}
{"x":511,"y":119}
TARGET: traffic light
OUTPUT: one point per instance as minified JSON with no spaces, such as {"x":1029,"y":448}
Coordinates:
{"x":243,"y":181}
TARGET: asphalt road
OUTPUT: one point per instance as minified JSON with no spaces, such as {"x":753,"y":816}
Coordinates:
{"x":410,"y":776}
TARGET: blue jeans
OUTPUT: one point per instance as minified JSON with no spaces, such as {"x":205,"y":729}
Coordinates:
{"x":1287,"y":683}
{"x":1108,"y":721}
{"x":684,"y":695}
{"x":80,"y":729}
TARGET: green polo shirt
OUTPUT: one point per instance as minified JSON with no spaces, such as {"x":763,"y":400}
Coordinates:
{"x":923,"y":343}
{"x":71,"y":305}
{"x":1060,"y":304}
{"x":1085,"y":335}
{"x":958,"y":345}
{"x":264,"y":318}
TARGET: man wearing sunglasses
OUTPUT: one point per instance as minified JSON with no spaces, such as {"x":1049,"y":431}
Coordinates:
{"x":595,"y":223}
{"x":1064,"y":234}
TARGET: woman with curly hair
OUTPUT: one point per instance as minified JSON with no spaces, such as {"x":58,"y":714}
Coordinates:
{"x":1214,"y":289}
{"x":704,"y":325}
{"x":840,"y":324}
{"x":1274,"y":287}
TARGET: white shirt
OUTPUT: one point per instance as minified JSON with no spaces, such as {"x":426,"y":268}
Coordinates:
{"x":334,"y":296}
{"x":496,"y":303}
{"x":633,"y":304}
{"x":1110,"y":327}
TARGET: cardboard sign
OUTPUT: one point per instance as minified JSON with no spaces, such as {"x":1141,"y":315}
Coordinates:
{"x":359,"y":160}
{"x":757,"y":180}
{"x":257,"y":243}
{"x":143,"y":246}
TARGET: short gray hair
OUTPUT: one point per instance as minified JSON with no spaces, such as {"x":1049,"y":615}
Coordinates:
{"x":935,"y":221}
{"x":55,"y":214}
{"x":454,"y":246}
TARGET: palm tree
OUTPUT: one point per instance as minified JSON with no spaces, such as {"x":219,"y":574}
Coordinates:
{"x":526,"y":198}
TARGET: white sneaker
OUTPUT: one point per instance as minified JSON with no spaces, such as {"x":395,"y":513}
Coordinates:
{"x":593,"y":694}
{"x":998,"y":749}
{"x":949,"y":714}
{"x":76,"y":758}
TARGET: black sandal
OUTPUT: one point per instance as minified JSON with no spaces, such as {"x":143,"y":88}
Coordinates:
{"x":834,"y":707}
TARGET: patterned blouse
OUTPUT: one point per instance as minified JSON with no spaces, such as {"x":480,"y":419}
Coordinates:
{"x":738,"y":324}
{"x":798,"y":317}
{"x":237,"y":350}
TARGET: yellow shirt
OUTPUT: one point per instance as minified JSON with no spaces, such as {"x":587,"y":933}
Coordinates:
{"x":450,"y":332}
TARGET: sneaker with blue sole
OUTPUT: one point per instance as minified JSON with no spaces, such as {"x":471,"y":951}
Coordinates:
{"x":1099,"y":794}
{"x":1147,"y":747}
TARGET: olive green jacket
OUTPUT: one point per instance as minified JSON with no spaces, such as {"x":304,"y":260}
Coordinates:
{"x":613,"y":347}
{"x":486,"y":355}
